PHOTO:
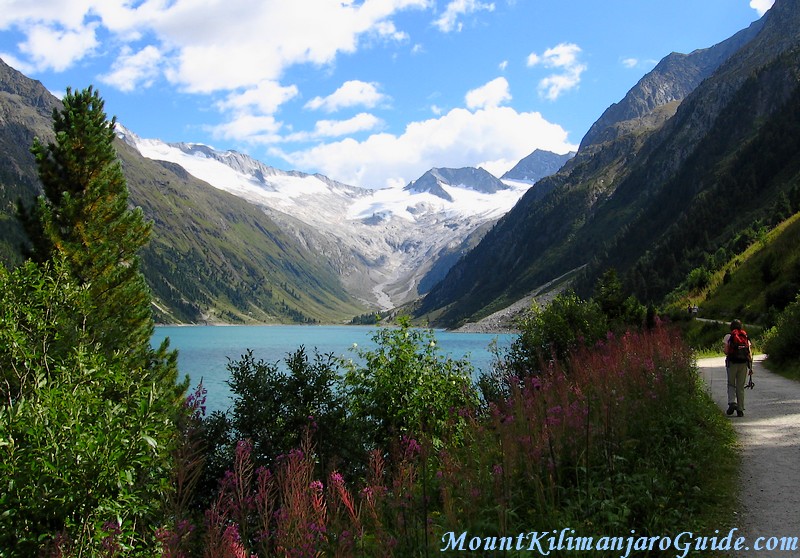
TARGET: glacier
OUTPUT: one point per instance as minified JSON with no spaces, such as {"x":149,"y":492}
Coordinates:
{"x":382,"y":242}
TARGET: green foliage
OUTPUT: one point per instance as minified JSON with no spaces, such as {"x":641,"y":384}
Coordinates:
{"x":581,"y":443}
{"x":88,"y":411}
{"x":621,"y":311}
{"x":272,"y":407}
{"x":371,"y":318}
{"x":780,"y":342}
{"x":698,"y":279}
{"x":84,"y":439}
{"x":581,"y":447}
{"x":562,"y":326}
{"x":758,"y":283}
{"x":405,"y":386}
{"x":84,"y":216}
{"x":703,"y":336}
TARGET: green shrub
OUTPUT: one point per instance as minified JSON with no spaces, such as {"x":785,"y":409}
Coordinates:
{"x":274,"y":406}
{"x":406,"y":386}
{"x":780,"y":342}
{"x":698,"y":279}
{"x":565,"y":324}
{"x":84,"y":439}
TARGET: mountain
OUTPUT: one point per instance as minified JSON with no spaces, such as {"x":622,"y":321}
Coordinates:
{"x":699,"y":152}
{"x":537,"y":165}
{"x":387,"y":246}
{"x":653,"y":99}
{"x":478,"y":180}
{"x":213,"y":257}
{"x":25,"y":111}
{"x":236,"y":240}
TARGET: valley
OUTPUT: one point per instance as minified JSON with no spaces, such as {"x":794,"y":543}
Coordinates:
{"x":386,"y":244}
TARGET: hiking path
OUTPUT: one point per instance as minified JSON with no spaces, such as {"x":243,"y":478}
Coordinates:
{"x":769,"y":439}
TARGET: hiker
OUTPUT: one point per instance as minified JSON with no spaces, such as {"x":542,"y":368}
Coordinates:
{"x":738,"y":362}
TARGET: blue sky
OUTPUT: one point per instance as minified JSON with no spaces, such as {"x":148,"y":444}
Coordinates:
{"x":369,"y":92}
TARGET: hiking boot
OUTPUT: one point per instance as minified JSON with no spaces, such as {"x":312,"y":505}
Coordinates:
{"x":731,"y":408}
{"x":739,"y":413}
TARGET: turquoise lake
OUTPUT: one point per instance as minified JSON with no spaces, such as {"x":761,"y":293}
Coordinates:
{"x":204,"y":351}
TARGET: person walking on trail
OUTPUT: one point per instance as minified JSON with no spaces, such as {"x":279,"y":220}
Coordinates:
{"x":738,"y":362}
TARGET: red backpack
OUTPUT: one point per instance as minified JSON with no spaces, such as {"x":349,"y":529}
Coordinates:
{"x":739,"y":346}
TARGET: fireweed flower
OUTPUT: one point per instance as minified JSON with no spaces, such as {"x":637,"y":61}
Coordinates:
{"x":411,"y":445}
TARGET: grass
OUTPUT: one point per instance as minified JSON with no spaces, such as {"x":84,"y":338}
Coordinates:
{"x":748,"y":283}
{"x":721,"y":482}
{"x":790,"y":371}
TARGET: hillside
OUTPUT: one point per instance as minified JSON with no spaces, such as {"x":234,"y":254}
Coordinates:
{"x":660,"y":189}
{"x":386,"y":246}
{"x":757,"y":283}
{"x":213,"y":257}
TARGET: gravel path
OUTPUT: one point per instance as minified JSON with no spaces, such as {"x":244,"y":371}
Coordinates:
{"x":769,"y":438}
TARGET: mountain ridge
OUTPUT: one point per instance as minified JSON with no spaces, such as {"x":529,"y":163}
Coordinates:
{"x":240,"y":251}
{"x":611,"y":203}
{"x":389,"y":245}
{"x":198,"y":271}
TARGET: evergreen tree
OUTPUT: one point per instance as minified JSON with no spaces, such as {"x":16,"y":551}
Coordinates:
{"x":84,"y":363}
{"x":84,"y":216}
{"x":609,"y":294}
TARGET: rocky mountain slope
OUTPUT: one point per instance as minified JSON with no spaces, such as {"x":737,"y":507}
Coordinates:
{"x":537,"y":165}
{"x":696,"y":153}
{"x":387,"y":245}
{"x":213,"y":257}
{"x":238,"y":241}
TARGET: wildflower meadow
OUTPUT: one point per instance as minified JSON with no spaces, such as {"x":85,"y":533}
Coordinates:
{"x":619,"y":436}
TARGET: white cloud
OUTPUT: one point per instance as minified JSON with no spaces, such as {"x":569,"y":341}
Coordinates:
{"x":498,"y":136}
{"x":54,"y":13}
{"x":265,"y":98}
{"x":564,"y":58}
{"x":761,"y":6}
{"x":134,"y":70}
{"x":387,"y":29}
{"x":337,"y":128}
{"x":630,"y":62}
{"x":237,"y":43}
{"x":250,"y":128}
{"x":51,"y":48}
{"x":351,"y":93}
{"x":489,"y":95}
{"x":448,"y":21}
{"x":211,"y":45}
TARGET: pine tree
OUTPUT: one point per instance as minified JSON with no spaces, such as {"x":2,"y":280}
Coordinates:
{"x":117,"y":400}
{"x":84,"y":216}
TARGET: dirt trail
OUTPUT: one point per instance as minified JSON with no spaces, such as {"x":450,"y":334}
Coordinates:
{"x":769,"y":436}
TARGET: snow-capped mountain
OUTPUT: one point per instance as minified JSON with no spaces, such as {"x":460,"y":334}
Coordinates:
{"x":537,"y":165}
{"x":383,"y":242}
{"x":471,"y":178}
